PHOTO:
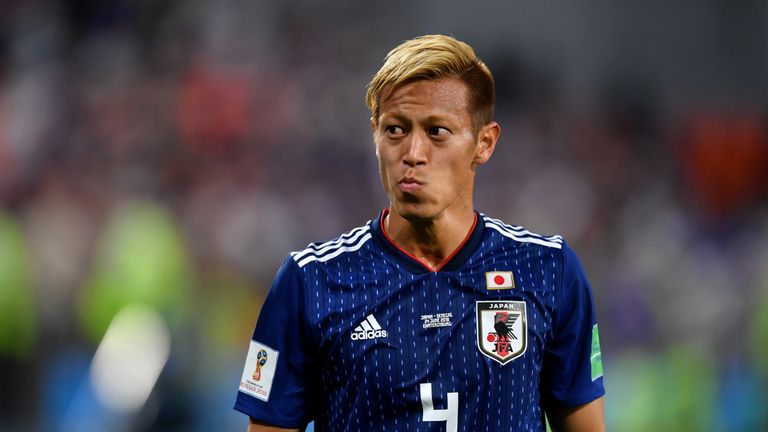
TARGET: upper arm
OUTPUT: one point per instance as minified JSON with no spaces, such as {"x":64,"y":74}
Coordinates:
{"x":589,"y":417}
{"x":572,"y":369}
{"x":257,"y":426}
{"x":277,"y":381}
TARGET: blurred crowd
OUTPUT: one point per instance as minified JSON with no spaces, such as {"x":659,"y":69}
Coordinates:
{"x":169,"y":154}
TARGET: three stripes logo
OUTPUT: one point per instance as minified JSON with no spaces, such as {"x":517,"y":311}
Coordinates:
{"x":369,"y":328}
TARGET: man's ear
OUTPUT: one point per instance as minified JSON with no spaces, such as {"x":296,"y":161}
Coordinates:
{"x":486,"y":142}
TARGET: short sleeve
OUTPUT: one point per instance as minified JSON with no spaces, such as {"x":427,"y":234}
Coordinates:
{"x":572,"y":373}
{"x":275,"y":385}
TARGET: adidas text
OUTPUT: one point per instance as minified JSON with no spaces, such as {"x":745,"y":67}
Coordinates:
{"x":370,"y":334}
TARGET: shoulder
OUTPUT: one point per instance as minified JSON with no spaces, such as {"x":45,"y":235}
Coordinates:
{"x":518,"y":234}
{"x":350,"y":241}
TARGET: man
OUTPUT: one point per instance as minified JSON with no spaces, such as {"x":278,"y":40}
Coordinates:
{"x":431,"y":316}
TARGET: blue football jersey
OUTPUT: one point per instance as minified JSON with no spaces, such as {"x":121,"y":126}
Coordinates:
{"x":358,"y":335}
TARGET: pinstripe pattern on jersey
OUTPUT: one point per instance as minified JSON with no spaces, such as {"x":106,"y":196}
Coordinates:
{"x":521,"y":234}
{"x":322,"y":252}
{"x":371,"y":384}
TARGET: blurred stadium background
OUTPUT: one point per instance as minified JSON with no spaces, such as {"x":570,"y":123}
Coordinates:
{"x":159,"y":158}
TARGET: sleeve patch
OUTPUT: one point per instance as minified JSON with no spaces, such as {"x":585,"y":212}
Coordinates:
{"x":259,"y":371}
{"x":596,"y":358}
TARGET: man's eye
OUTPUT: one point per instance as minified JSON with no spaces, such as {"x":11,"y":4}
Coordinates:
{"x":394,"y":130}
{"x":438,"y":131}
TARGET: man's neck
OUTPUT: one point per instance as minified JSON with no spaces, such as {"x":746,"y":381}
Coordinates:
{"x":433,"y":241}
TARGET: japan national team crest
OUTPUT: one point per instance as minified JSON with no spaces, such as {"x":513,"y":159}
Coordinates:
{"x":501,"y":329}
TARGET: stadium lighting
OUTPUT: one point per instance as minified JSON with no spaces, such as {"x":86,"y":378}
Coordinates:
{"x":129,"y":359}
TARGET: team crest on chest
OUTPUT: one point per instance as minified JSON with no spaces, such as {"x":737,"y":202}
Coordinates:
{"x":501,"y":329}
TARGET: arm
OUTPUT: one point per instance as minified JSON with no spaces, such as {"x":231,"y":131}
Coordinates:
{"x":257,"y":426}
{"x":589,"y":417}
{"x":572,"y":376}
{"x":276,"y":378}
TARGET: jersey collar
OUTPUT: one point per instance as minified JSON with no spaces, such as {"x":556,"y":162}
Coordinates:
{"x":455,"y":261}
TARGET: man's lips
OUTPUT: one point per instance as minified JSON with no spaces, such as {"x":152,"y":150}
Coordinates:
{"x":409,"y":185}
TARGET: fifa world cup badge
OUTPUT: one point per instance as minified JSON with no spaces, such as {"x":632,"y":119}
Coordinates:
{"x":261,"y":360}
{"x":258,"y":382}
{"x":501,"y":329}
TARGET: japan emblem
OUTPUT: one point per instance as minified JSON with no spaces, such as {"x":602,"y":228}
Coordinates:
{"x":501,"y":329}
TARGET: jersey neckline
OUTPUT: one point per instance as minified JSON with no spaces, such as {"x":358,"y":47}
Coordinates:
{"x":454,"y":261}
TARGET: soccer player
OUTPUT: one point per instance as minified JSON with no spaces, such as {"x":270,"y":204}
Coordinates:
{"x":431,"y":316}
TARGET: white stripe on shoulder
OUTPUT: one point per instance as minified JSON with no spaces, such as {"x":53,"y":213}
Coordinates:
{"x":521,"y":234}
{"x":337,"y":252}
{"x":348,"y":242}
{"x":521,"y":231}
{"x":318,"y":249}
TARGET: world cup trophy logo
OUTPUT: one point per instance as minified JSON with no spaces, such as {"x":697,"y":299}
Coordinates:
{"x":261,"y":360}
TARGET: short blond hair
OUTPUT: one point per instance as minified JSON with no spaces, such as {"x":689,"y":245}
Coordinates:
{"x":433,"y":57}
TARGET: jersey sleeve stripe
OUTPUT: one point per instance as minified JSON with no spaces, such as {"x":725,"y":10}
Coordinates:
{"x":351,"y":248}
{"x":345,"y":236}
{"x":520,"y":231}
{"x":525,"y":239}
{"x":319,"y":249}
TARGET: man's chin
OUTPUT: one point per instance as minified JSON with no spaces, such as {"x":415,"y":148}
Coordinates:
{"x":414,"y":212}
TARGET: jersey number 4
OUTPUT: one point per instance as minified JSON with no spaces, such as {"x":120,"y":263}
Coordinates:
{"x":449,"y":415}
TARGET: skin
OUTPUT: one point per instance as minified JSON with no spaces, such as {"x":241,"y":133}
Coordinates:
{"x":257,"y":426}
{"x":584,"y":418}
{"x":428,"y":153}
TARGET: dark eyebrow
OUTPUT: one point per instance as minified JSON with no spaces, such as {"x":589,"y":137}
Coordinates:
{"x":452,"y":120}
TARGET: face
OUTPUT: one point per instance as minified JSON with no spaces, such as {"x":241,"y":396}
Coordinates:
{"x":427,"y":149}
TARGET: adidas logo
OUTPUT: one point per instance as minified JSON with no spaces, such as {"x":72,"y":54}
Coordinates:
{"x":368,"y":329}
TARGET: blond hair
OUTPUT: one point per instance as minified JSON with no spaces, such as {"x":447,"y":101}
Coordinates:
{"x":433,"y":57}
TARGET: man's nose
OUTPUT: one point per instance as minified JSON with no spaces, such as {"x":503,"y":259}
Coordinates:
{"x":417,"y":149}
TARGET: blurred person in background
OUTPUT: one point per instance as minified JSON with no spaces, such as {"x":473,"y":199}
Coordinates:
{"x":432,"y":311}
